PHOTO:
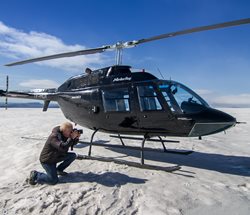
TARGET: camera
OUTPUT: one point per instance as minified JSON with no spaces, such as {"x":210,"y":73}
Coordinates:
{"x":80,"y":131}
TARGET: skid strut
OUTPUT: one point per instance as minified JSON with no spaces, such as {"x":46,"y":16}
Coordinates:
{"x":121,"y":139}
{"x":142,"y":148}
{"x":91,"y":141}
{"x":164,"y":147}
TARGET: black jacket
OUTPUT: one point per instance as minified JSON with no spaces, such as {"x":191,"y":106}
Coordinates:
{"x":56,"y":147}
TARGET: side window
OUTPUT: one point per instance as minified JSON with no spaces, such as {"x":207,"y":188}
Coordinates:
{"x":148,"y":98}
{"x":116,"y":99}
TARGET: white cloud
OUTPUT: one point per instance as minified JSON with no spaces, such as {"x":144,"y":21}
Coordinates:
{"x":203,"y":92}
{"x":20,"y":45}
{"x":39,"y":84}
{"x":213,"y":99}
{"x":241,"y":100}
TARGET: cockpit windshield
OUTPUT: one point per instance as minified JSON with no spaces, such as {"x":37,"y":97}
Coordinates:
{"x":181,"y":99}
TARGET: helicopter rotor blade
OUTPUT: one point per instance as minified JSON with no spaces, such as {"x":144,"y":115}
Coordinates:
{"x":120,"y":45}
{"x":61,"y":55}
{"x":192,"y":30}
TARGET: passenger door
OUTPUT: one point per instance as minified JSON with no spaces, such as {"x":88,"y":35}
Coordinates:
{"x":150,"y":110}
{"x":118,"y":108}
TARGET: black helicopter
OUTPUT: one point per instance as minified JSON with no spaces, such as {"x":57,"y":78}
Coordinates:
{"x":116,"y":100}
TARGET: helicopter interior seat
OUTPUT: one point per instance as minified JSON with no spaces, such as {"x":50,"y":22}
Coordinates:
{"x":192,"y":107}
{"x":120,"y":105}
{"x":110,"y":105}
{"x":148,"y":103}
{"x":115,"y":105}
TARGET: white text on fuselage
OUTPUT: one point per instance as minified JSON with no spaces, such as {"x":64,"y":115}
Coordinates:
{"x":122,"y":79}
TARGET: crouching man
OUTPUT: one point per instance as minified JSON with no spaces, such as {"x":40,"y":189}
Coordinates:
{"x":54,"y":151}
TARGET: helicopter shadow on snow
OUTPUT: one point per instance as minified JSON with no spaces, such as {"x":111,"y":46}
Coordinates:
{"x":230,"y":164}
{"x":108,"y":179}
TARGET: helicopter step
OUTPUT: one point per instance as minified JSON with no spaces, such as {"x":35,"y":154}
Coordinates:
{"x":130,"y":163}
{"x":181,"y":152}
{"x":138,"y":138}
{"x":173,"y":151}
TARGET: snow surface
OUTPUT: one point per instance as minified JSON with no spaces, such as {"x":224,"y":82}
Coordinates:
{"x":215,"y":179}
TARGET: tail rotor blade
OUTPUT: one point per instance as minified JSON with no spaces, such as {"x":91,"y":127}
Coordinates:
{"x":7,"y":89}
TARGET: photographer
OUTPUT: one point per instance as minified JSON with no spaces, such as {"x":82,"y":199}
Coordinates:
{"x":54,"y":151}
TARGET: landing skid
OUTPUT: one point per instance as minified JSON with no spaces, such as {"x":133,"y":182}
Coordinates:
{"x":142,"y":149}
{"x":172,"y":151}
{"x":130,"y":163}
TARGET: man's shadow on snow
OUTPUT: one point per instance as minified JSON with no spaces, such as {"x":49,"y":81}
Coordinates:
{"x":109,"y":179}
{"x":84,"y":144}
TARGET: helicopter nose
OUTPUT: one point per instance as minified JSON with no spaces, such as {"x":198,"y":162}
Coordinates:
{"x":212,"y":121}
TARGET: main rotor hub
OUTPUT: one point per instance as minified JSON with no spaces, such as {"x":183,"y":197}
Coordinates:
{"x":119,"y":46}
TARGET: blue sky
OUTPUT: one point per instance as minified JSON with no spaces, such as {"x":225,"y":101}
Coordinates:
{"x":215,"y":63}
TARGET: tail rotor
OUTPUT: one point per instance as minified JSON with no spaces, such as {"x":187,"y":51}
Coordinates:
{"x":6,"y":93}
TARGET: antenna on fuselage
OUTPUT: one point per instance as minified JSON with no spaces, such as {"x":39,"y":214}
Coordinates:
{"x":160,"y":73}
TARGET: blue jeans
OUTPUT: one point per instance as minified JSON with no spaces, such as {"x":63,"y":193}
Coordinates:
{"x":51,"y":170}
